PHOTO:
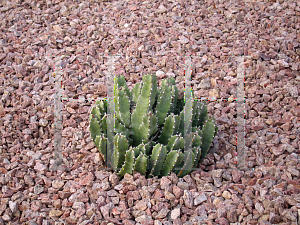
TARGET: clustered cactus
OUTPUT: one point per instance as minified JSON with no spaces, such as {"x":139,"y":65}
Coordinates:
{"x":149,"y":129}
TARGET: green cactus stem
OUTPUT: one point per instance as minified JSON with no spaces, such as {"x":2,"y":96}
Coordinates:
{"x":149,"y":129}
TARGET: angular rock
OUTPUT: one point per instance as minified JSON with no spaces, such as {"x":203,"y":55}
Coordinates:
{"x":55,"y":213}
{"x":188,"y":199}
{"x":178,"y":192}
{"x":201,"y":198}
{"x":175,"y":213}
{"x":58,"y":184}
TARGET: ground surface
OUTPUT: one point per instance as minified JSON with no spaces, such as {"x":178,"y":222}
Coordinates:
{"x":150,"y":36}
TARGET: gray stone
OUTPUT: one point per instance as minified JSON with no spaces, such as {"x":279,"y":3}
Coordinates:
{"x":188,"y":199}
{"x":38,"y":189}
{"x":201,"y":198}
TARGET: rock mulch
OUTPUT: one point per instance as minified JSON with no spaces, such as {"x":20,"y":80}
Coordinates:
{"x":151,"y":37}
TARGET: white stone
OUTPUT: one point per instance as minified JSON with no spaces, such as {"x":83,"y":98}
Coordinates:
{"x":12,"y":206}
{"x":160,"y":73}
{"x":175,"y":213}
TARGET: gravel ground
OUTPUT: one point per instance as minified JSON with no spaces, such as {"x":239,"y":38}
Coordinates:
{"x":151,"y":37}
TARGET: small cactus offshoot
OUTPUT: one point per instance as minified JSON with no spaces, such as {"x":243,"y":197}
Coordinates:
{"x":149,"y":129}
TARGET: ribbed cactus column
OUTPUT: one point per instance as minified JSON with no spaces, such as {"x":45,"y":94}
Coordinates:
{"x":188,"y":100}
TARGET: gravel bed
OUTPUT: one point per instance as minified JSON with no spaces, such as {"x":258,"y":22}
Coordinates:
{"x":150,"y":37}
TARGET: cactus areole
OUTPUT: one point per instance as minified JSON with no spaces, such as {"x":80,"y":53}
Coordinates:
{"x":149,"y":129}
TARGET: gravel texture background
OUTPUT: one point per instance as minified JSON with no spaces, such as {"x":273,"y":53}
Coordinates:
{"x":151,"y":37}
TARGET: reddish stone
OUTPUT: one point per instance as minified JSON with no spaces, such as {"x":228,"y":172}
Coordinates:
{"x":66,"y":213}
{"x":295,"y":111}
{"x":8,"y":193}
{"x":209,"y":222}
{"x":71,"y":220}
{"x":148,"y":212}
{"x":177,"y":221}
{"x":122,"y":205}
{"x":238,"y":187}
{"x":283,"y":168}
{"x":64,"y":195}
{"x":67,"y":203}
{"x":34,"y":208}
{"x":160,"y":39}
{"x":55,"y":197}
{"x":134,"y":7}
{"x":158,"y":194}
{"x":83,"y":110}
{"x":136,"y":195}
{"x":278,"y":150}
{"x":210,"y":168}
{"x":222,"y":221}
{"x":225,"y":110}
{"x":236,"y":175}
{"x":261,"y":92}
{"x":124,"y":190}
{"x":83,"y":197}
{"x":70,"y":123}
{"x":3,"y":170}
{"x":125,"y":215}
{"x":205,"y":176}
{"x":267,"y":177}
{"x":296,"y":189}
{"x":252,"y":181}
{"x":177,"y":191}
{"x":293,"y":182}
{"x":252,"y":222}
{"x":258,"y":127}
{"x":87,"y":180}
{"x":281,"y":185}
{"x":187,"y":211}
{"x":259,"y":107}
{"x":131,"y":187}
{"x":184,"y":218}
{"x":129,"y":194}
{"x":115,"y":211}
{"x":80,"y":212}
{"x":158,"y":206}
{"x":128,"y":222}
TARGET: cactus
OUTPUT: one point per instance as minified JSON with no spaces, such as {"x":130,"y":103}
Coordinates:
{"x":149,"y":129}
